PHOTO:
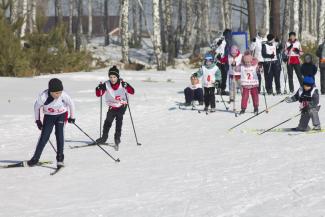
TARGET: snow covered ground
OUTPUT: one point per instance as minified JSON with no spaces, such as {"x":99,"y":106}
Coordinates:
{"x":188,"y":166}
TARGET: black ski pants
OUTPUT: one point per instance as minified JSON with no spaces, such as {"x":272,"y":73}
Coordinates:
{"x":209,"y":97}
{"x":49,"y":122}
{"x":111,"y":115}
{"x":290,"y":68}
{"x":191,"y":95}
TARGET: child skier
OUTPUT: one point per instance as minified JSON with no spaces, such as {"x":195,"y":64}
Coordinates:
{"x":211,"y":78}
{"x":308,"y":97}
{"x":56,"y":104}
{"x":249,"y":82}
{"x":116,"y":99}
{"x":234,"y":60}
{"x":308,"y":68}
{"x":293,"y":51}
{"x":193,"y":92}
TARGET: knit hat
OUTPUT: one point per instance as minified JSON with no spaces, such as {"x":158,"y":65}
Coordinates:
{"x":292,"y":33}
{"x":308,"y":58}
{"x":114,"y":71}
{"x":270,"y":37}
{"x":55,"y":85}
{"x":309,"y":81}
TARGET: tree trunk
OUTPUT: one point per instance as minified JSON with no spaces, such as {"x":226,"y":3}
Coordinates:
{"x":251,"y":18}
{"x":188,"y":26}
{"x":198,"y":28}
{"x":286,"y":21}
{"x":227,"y":12}
{"x":13,"y":11}
{"x":58,"y":11}
{"x":24,"y":13}
{"x":179,"y":28}
{"x":301,"y":9}
{"x":222,"y":20}
{"x":321,"y":25}
{"x":156,"y":35}
{"x":125,"y":30}
{"x":90,"y":19}
{"x":71,"y":12}
{"x":163,"y":25}
{"x":275,"y":18}
{"x":170,"y":32}
{"x":266,"y":17}
{"x":296,"y":17}
{"x":78,"y":23}
{"x":106,"y":28}
{"x":135,"y":18}
{"x":205,"y":23}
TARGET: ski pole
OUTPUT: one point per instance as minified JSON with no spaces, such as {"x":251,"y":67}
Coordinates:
{"x":101,"y":116}
{"x":116,"y":160}
{"x":223,"y":101}
{"x":52,"y":146}
{"x":135,"y":134}
{"x":266,"y":108}
{"x":256,"y":115}
{"x":289,"y":119}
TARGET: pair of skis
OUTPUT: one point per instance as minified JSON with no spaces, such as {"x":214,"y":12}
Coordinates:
{"x":24,"y":164}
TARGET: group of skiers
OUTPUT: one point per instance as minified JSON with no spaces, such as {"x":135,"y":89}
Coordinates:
{"x":58,"y":108}
{"x":245,"y":72}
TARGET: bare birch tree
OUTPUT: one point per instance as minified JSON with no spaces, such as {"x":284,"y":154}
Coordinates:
{"x":188,"y":26}
{"x":170,"y":31}
{"x":156,"y":35}
{"x":266,"y":16}
{"x":125,"y":30}
{"x":286,"y":21}
{"x":205,"y":22}
{"x":71,"y":13}
{"x":90,"y":19}
{"x":24,"y":14}
{"x":106,"y":29}
{"x":275,"y":18}
{"x":227,"y":13}
{"x":78,"y":23}
{"x":321,"y":23}
{"x":296,"y":17}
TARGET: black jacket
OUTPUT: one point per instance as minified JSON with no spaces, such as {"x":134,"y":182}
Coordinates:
{"x":308,"y":69}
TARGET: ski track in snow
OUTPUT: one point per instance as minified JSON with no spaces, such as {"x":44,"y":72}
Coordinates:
{"x":188,"y":166}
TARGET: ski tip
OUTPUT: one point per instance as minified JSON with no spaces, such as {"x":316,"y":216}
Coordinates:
{"x":117,"y":160}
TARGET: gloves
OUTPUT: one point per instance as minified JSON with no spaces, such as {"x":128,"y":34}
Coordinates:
{"x":195,"y":74}
{"x":233,"y":64}
{"x":101,"y":87}
{"x":71,"y":120}
{"x":296,"y":50}
{"x":272,"y":56}
{"x":305,"y":109}
{"x":219,"y":57}
{"x":291,"y":45}
{"x":124,"y":84}
{"x":254,"y":40}
{"x":39,"y":124}
{"x":288,"y":99}
{"x":219,"y":42}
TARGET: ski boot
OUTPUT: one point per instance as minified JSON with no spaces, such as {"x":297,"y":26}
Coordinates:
{"x":213,"y":110}
{"x":242,"y":111}
{"x":255,"y":111}
{"x":317,"y":127}
{"x":117,"y":142}
{"x":59,"y":164}
{"x":206,"y":109}
{"x":101,"y":140}
{"x":32,"y":162}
